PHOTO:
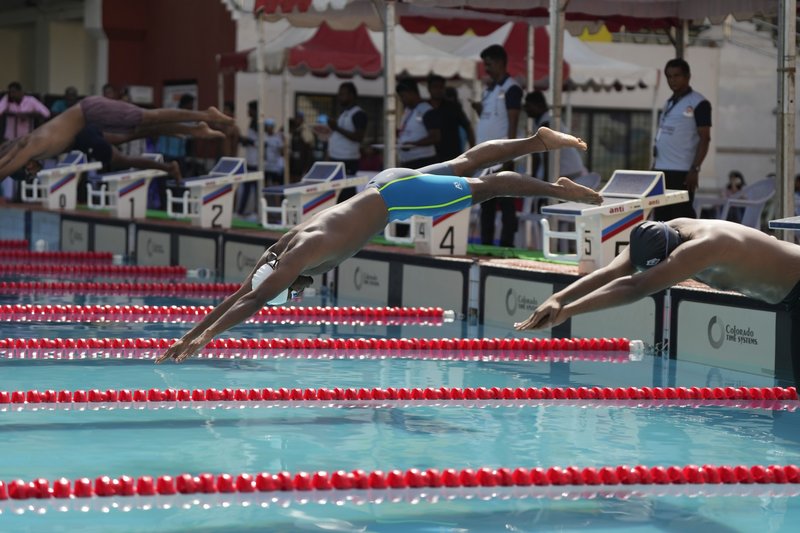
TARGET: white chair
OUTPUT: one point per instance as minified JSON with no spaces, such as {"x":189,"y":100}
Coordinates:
{"x":530,"y":223}
{"x":753,"y":198}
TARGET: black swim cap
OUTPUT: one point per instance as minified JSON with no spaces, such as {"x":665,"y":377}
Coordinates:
{"x":651,"y":243}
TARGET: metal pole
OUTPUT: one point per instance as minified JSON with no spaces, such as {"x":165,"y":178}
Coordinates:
{"x":529,"y":86}
{"x":556,"y":74}
{"x":262,"y":101}
{"x":681,"y":38}
{"x":389,"y":102}
{"x":784,"y":160}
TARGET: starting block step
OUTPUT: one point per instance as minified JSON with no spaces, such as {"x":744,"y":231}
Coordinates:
{"x":208,"y":200}
{"x":125,"y":192}
{"x":318,"y":190}
{"x":602,"y":231}
{"x":57,"y":187}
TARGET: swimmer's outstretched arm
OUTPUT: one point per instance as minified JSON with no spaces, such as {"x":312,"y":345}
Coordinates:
{"x":235,"y":309}
{"x":552,"y":312}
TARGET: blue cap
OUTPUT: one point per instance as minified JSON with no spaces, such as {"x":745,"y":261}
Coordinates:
{"x":269,"y":122}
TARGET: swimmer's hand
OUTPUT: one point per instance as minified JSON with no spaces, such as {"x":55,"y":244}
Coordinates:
{"x":548,"y":315}
{"x":575,"y":192}
{"x":183,"y":349}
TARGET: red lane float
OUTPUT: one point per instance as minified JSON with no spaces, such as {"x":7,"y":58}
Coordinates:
{"x":206,"y":483}
{"x":14,"y":244}
{"x":56,"y":256}
{"x":134,"y":271}
{"x":122,"y":289}
{"x":773,"y":398}
{"x":458,"y":345}
{"x":194,"y":313}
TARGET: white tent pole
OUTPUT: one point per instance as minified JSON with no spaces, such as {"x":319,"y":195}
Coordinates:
{"x":287,"y":113}
{"x":556,"y":74}
{"x":390,"y":104}
{"x":784,"y":160}
{"x":262,"y":104}
{"x":654,"y":117}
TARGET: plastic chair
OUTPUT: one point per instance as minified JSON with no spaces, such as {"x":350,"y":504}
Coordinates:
{"x":753,"y":198}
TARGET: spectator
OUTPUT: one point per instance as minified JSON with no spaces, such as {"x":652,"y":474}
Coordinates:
{"x":250,"y":143}
{"x":274,"y":152}
{"x":20,"y":111}
{"x":69,"y":100}
{"x":348,"y":132}
{"x":735,"y":184}
{"x":453,"y":120}
{"x":682,"y":140}
{"x":499,"y":111}
{"x":302,"y":147}
{"x":109,"y":91}
{"x":420,"y":128}
{"x":175,"y":148}
{"x":570,"y":163}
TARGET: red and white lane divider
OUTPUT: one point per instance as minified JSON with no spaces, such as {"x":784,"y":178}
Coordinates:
{"x":55,"y":257}
{"x":120,"y":289}
{"x":195,"y":313}
{"x":769,"y":398}
{"x":622,"y":476}
{"x":26,"y":269}
{"x":14,"y":244}
{"x":538,"y":350}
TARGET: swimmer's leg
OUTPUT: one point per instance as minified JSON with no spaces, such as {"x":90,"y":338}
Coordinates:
{"x":152,"y":117}
{"x":499,"y":151}
{"x":517,"y":185}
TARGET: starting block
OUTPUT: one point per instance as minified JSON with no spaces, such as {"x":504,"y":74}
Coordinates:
{"x":443,"y":235}
{"x":318,"y":190}
{"x":602,"y":231}
{"x":124,"y":192}
{"x":57,"y":187}
{"x":208,"y":200}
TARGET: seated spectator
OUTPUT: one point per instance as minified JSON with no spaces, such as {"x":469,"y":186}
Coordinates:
{"x":69,"y":100}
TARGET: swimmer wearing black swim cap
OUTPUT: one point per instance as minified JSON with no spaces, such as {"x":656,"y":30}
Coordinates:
{"x":723,"y":255}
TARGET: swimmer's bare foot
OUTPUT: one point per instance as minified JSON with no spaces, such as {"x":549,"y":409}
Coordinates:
{"x":203,"y":131}
{"x":578,"y":193}
{"x":215,"y":115}
{"x":553,"y":140}
{"x":175,"y":171}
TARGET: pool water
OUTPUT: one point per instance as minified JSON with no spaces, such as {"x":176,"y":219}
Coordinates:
{"x":142,"y":441}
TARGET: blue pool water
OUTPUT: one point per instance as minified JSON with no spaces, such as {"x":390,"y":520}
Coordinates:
{"x":74,"y":443}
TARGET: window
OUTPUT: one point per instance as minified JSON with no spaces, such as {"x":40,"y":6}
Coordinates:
{"x":618,"y":139}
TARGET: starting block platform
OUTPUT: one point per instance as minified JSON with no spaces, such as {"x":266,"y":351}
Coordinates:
{"x":441,"y":235}
{"x":790,"y":223}
{"x":123,"y":192}
{"x":57,"y":187}
{"x":318,"y":190}
{"x":208,"y":200}
{"x":602,"y":231}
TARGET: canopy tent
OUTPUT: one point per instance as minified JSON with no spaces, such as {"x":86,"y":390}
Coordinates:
{"x":346,"y":53}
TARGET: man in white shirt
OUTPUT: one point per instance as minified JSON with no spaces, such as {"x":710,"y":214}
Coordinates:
{"x":420,"y":128}
{"x":348,"y":132}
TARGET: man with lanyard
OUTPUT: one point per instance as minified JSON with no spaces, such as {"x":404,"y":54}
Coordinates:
{"x":499,"y":111}
{"x":682,"y":140}
{"x":348,"y":132}
{"x":420,"y":128}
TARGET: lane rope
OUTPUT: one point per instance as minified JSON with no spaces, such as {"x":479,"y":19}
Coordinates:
{"x":46,"y":269}
{"x":62,"y":257}
{"x":770,"y":398}
{"x":377,"y":480}
{"x":194,"y":313}
{"x":7,"y":244}
{"x":123,"y":289}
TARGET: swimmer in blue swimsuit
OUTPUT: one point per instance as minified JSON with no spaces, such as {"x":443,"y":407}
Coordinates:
{"x":339,"y":232}
{"x":723,"y":255}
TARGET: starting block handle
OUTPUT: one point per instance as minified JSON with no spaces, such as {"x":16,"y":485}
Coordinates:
{"x":97,"y":198}
{"x":266,"y":210}
{"x":548,"y":234}
{"x":390,"y":233}
{"x":32,"y":192}
{"x":183,"y":201}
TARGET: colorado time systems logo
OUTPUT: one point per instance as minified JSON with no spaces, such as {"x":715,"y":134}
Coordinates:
{"x":516,"y":301}
{"x":244,"y":261}
{"x":718,"y":333}
{"x":362,"y":279}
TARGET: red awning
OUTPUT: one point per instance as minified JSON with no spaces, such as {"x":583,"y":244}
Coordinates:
{"x":516,"y":46}
{"x":234,"y":61}
{"x":343,"y":53}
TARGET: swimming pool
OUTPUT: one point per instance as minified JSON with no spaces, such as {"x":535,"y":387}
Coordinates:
{"x":156,"y":439}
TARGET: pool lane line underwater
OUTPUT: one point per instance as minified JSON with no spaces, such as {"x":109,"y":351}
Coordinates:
{"x":194,"y":313}
{"x":767,"y":398}
{"x":266,"y":489}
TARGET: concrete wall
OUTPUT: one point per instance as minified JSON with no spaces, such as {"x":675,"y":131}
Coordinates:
{"x":16,"y":61}
{"x":69,"y":44}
